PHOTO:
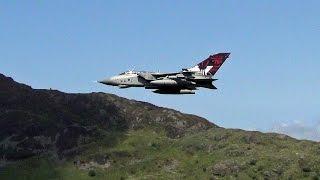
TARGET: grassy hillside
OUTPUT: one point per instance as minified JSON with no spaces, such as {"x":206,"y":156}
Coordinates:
{"x":47,"y":134}
{"x":216,"y":153}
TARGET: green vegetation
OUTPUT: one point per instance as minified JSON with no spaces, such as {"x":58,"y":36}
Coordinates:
{"x":215,"y":153}
{"x":92,"y":173}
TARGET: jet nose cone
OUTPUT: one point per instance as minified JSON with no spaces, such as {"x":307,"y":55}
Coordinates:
{"x":107,"y":82}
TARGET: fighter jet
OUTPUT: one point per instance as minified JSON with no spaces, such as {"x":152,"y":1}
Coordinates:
{"x":184,"y":82}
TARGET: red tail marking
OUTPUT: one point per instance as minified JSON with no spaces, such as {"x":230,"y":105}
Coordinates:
{"x":215,"y":61}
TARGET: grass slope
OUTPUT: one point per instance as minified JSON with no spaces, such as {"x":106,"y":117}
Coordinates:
{"x":213,"y":154}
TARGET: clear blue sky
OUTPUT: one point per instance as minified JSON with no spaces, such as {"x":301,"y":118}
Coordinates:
{"x":271,"y":81}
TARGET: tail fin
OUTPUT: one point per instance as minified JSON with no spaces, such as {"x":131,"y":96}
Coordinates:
{"x":212,"y":64}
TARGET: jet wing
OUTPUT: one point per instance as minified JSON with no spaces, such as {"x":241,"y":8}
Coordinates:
{"x":147,"y":76}
{"x":164,"y":74}
{"x":171,"y":74}
{"x":176,"y":75}
{"x":154,"y":76}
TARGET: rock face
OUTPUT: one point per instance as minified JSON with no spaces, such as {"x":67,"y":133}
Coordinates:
{"x":35,"y":121}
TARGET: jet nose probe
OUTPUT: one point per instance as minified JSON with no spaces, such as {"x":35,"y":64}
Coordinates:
{"x":107,"y":82}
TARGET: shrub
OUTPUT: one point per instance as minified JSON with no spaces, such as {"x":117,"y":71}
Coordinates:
{"x":92,"y":173}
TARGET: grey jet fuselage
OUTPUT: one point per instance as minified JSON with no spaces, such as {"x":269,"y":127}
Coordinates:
{"x":183,"y":82}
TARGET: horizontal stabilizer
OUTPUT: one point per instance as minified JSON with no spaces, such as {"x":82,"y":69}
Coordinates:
{"x":209,"y":86}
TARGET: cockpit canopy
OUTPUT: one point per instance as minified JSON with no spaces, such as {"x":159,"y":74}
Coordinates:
{"x":134,"y":72}
{"x":127,"y":72}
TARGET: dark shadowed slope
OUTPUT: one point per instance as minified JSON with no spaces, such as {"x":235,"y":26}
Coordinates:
{"x":35,"y":121}
{"x":47,"y":134}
